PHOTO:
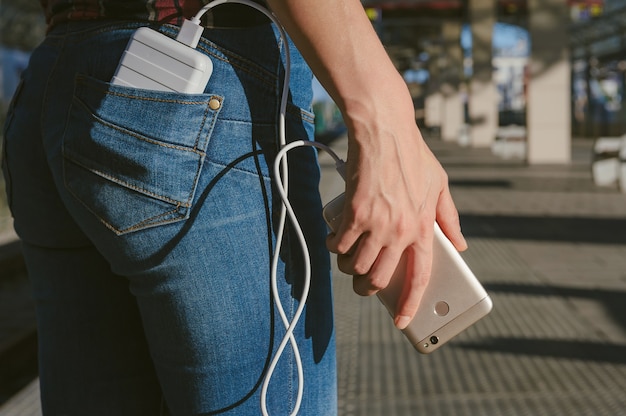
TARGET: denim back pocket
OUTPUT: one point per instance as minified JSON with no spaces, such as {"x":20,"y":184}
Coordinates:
{"x":133,"y":157}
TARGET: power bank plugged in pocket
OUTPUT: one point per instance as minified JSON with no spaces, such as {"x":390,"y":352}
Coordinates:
{"x":154,"y":61}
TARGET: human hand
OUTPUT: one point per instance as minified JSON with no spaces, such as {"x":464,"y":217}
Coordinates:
{"x":395,"y":188}
{"x":395,"y":191}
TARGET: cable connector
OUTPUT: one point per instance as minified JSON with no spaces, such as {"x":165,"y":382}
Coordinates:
{"x":340,"y":166}
{"x":190,"y":33}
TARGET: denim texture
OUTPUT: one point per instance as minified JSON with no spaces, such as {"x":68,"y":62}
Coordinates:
{"x":147,"y":220}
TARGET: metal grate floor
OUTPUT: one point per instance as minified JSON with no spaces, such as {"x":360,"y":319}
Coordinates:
{"x":555,"y":343}
{"x":535,"y":354}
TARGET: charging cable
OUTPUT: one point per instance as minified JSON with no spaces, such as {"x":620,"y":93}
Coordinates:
{"x":190,"y":34}
{"x":286,"y":208}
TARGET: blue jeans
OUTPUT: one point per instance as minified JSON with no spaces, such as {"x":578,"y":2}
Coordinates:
{"x":147,"y":220}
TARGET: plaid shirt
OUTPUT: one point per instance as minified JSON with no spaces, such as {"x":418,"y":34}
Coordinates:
{"x":163,"y":11}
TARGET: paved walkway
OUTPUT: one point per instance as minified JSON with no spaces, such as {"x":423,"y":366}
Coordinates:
{"x":550,"y":248}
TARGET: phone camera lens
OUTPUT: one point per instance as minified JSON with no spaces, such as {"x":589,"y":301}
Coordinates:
{"x":434,"y":340}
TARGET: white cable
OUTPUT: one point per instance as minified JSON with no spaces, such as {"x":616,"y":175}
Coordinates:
{"x":279,"y":162}
{"x":283,"y":185}
{"x":189,"y":35}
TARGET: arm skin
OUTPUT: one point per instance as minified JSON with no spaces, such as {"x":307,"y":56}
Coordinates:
{"x":395,"y":187}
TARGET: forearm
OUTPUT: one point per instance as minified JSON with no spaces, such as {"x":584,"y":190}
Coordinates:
{"x":344,"y":51}
{"x":395,"y":187}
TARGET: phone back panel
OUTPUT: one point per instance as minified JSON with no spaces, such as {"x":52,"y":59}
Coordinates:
{"x":453,"y":300}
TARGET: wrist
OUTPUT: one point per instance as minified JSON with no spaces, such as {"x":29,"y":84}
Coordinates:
{"x":378,"y":109}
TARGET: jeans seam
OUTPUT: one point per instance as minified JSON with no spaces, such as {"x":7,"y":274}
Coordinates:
{"x":67,"y":29}
{"x":81,"y":79}
{"x":235,"y":60}
{"x":138,"y":226}
{"x":232,"y":60}
{"x":145,"y":138}
{"x":185,"y":204}
{"x":207,"y":111}
{"x":44,"y":102}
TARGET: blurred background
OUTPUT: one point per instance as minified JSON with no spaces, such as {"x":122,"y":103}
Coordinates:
{"x":523,"y":102}
{"x":482,"y":72}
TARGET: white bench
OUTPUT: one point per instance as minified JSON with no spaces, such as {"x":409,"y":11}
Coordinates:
{"x":608,"y":165}
{"x":510,"y":142}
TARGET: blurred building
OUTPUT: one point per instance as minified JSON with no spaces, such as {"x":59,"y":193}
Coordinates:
{"x":598,"y":48}
{"x":22,"y":27}
{"x":551,"y":68}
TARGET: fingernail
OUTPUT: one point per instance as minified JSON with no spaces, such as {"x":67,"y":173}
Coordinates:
{"x":402,"y":321}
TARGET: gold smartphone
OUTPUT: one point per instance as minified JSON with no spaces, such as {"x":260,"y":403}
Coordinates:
{"x":453,"y":300}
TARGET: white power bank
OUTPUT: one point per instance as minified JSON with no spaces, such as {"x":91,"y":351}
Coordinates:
{"x":154,"y":61}
{"x":454,"y":298}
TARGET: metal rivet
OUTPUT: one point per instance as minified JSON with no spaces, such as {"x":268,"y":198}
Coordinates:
{"x":214,"y":103}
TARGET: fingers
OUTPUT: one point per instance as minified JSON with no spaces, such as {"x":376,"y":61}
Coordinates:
{"x":378,"y":229}
{"x":448,"y":220}
{"x":416,"y":277}
{"x":379,"y":275}
{"x":403,"y":277}
{"x":376,"y":268}
{"x":409,"y":272}
{"x":361,"y":257}
{"x":370,"y":263}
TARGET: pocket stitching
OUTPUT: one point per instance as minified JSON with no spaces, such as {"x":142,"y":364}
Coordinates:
{"x":146,"y":139}
{"x":137,"y":226}
{"x":89,"y":82}
{"x":179,"y":206}
{"x":185,"y":204}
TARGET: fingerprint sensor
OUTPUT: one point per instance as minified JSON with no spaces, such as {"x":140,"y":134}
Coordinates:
{"x":442,"y":308}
